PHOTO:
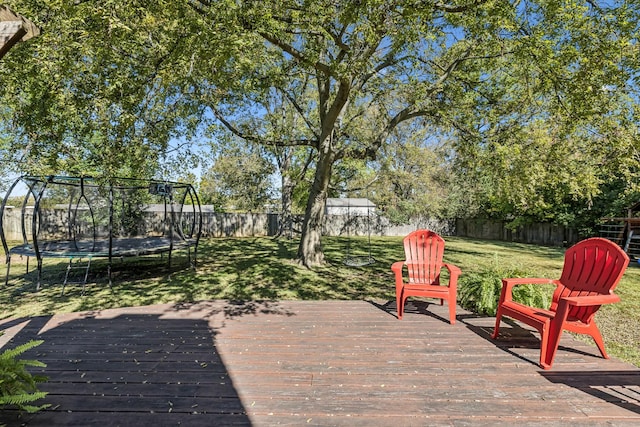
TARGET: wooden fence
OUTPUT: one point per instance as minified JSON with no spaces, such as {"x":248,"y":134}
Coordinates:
{"x":241,"y":225}
{"x":539,"y":234}
{"x":260,"y":224}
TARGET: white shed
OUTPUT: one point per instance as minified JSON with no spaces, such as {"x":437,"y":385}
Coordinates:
{"x":350,"y":206}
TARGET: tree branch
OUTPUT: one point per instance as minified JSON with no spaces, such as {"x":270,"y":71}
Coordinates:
{"x":387,"y":62}
{"x":248,"y":137}
{"x":294,"y":52}
{"x":409,"y":112}
{"x":299,"y":110}
{"x":458,"y":9}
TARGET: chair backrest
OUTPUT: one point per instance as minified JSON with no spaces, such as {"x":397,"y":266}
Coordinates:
{"x":591,"y":267}
{"x":423,"y":251}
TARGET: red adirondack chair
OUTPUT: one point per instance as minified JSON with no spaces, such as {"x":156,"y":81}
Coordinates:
{"x":592,"y":270}
{"x":423,"y":252}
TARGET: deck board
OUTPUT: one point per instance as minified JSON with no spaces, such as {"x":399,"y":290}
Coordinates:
{"x":313,"y":363}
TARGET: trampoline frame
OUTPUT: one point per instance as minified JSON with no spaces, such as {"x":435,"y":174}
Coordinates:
{"x":174,"y":237}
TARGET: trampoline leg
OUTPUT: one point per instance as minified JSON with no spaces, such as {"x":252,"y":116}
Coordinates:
{"x":109,"y":274}
{"x":195,"y":257}
{"x":66,"y":276}
{"x":86,"y":268}
{"x":6,"y":280}
{"x":86,"y":276}
{"x":39,"y":274}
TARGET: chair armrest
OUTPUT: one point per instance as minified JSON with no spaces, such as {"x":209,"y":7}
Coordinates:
{"x":509,"y":283}
{"x":565,"y":304}
{"x":588,"y":300}
{"x":454,"y":273}
{"x":397,"y":270}
{"x":397,"y":267}
{"x":452,"y":269}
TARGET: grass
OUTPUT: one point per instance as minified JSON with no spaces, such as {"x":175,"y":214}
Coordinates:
{"x":263,"y":269}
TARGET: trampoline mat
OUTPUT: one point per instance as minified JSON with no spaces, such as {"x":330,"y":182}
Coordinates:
{"x":134,"y":246}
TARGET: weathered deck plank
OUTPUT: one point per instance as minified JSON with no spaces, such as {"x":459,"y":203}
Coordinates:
{"x":315,"y":363}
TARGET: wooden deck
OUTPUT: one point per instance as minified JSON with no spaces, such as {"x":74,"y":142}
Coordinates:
{"x":322,"y":363}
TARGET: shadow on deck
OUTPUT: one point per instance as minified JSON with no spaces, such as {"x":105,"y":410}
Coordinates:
{"x":313,"y":363}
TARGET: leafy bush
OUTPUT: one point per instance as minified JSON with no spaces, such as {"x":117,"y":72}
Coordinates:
{"x":17,"y":386}
{"x":479,"y":291}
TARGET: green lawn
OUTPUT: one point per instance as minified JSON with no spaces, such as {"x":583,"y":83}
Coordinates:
{"x":263,"y":269}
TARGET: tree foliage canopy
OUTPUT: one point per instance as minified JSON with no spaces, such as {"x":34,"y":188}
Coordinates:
{"x":237,"y":170}
{"x":95,"y":93}
{"x":535,"y":99}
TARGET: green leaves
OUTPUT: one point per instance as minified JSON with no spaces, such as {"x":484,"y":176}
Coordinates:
{"x":17,"y":386}
{"x":479,"y":290}
{"x":536,"y":99}
{"x":238,"y":170}
{"x":97,"y":93}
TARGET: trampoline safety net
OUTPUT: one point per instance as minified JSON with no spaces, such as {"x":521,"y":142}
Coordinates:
{"x":72,"y":217}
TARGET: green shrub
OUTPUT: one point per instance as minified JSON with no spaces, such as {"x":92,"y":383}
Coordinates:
{"x":479,"y":291}
{"x":17,"y":386}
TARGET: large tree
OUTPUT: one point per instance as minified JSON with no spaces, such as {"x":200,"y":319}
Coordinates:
{"x":413,"y":176}
{"x":114,"y":81}
{"x":571,"y":131}
{"x":95,"y":93}
{"x":276,"y":127}
{"x":373,"y":64}
{"x":238,"y":169}
{"x":483,"y":68}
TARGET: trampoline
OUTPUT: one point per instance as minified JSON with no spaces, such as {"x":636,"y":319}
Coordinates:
{"x":82,"y":218}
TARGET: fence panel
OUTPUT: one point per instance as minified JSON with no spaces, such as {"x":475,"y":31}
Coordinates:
{"x":539,"y":234}
{"x":260,"y":224}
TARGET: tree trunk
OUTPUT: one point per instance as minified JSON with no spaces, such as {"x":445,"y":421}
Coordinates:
{"x":310,"y":249}
{"x":286,"y":220}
